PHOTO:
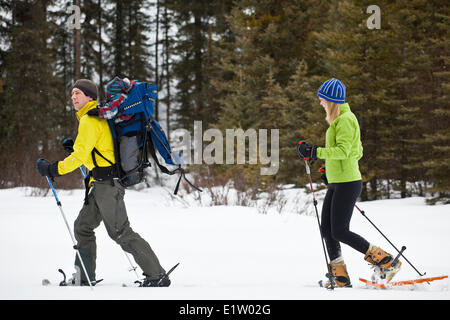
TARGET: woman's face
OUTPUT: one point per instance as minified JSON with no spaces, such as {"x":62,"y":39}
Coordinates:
{"x":323,"y":103}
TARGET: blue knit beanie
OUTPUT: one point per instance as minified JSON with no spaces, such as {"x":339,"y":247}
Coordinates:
{"x":332,"y":90}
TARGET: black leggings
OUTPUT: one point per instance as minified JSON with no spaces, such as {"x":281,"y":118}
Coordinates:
{"x":337,"y":212}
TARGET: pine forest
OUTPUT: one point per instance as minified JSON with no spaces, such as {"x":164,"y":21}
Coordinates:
{"x":254,"y":65}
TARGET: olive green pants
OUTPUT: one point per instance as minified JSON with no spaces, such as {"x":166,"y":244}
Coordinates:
{"x":105,"y":203}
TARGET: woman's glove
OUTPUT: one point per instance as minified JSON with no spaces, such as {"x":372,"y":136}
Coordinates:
{"x":323,"y":176}
{"x":307,"y":151}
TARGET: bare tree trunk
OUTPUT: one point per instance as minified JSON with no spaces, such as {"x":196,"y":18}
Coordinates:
{"x":198,"y":70}
{"x":167,"y":70}
{"x":157,"y":76}
{"x":118,"y":41}
{"x":77,"y":49}
{"x":156,"y":58}
{"x":100,"y":53}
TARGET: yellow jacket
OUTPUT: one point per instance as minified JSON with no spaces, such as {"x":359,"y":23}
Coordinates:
{"x":92,"y":132}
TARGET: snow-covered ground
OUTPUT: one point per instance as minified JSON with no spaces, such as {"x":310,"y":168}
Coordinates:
{"x":226,"y":252}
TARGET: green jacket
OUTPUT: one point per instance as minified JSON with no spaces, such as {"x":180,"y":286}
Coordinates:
{"x":343,"y":148}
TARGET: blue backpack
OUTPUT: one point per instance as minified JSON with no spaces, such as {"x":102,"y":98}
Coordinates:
{"x":129,"y":110}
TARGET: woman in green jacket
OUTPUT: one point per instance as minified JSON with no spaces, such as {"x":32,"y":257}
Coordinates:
{"x":343,"y":149}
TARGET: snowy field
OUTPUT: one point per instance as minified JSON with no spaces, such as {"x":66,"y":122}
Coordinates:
{"x":225,"y":252}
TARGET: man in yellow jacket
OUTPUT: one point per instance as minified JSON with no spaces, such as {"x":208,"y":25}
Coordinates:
{"x":105,"y":199}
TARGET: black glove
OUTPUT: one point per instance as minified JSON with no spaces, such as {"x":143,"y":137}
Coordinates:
{"x":323,"y":176}
{"x":307,"y":151}
{"x":47,"y":169}
{"x":68,"y":145}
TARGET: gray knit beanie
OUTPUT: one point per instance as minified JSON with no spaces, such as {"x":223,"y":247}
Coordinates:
{"x":88,"y":87}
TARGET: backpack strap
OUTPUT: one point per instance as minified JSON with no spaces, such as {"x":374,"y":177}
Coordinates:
{"x":183,"y":175}
{"x":103,"y":173}
{"x":95,"y":151}
{"x":167,"y":171}
{"x":153,"y":153}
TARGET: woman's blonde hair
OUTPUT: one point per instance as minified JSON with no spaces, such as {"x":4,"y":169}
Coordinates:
{"x":332,"y":110}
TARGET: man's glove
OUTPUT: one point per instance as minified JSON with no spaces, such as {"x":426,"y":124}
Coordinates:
{"x":47,"y":169}
{"x":68,"y":145}
{"x":323,"y":176}
{"x":307,"y":151}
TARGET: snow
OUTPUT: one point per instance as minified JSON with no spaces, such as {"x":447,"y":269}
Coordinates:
{"x":226,"y":252}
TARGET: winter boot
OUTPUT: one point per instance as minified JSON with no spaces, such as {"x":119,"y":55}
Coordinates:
{"x":162,"y":281}
{"x":89,"y":263}
{"x":340,"y":275}
{"x":382,"y":262}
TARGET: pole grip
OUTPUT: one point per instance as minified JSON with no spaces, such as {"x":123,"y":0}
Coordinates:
{"x":308,"y":170}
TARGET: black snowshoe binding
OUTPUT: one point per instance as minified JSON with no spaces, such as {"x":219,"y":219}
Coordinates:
{"x":76,"y":279}
{"x":162,"y":281}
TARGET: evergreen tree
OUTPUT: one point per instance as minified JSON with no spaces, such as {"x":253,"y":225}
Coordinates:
{"x":407,"y":125}
{"x":128,"y":23}
{"x":197,"y":23}
{"x":436,"y":111}
{"x":89,"y":37}
{"x":5,"y":30}
{"x":139,"y":64}
{"x":94,"y":48}
{"x":306,"y":123}
{"x":367,"y":62}
{"x":117,"y":33}
{"x":32,"y":106}
{"x":62,"y":44}
{"x":264,"y":63}
{"x":166,"y":77}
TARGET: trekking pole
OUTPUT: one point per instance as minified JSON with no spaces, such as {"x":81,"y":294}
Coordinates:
{"x":83,"y":172}
{"x":400,"y":252}
{"x":133,"y":268}
{"x":70,"y":232}
{"x":329,"y":275}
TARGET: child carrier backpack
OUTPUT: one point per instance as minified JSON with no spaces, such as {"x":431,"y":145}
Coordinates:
{"x":129,"y":110}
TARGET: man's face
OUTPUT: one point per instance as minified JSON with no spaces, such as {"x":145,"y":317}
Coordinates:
{"x":79,"y":99}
